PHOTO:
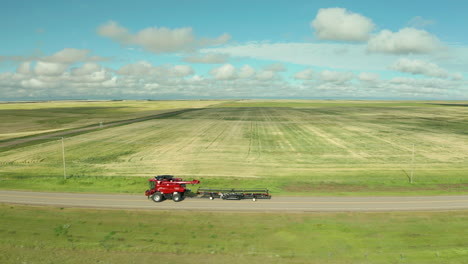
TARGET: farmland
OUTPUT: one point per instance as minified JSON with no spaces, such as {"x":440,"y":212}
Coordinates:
{"x":30,"y":118}
{"x":290,"y":146}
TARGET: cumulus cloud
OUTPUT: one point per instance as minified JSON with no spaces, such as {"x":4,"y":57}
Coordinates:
{"x":24,"y":68}
{"x":457,"y":76}
{"x":419,"y":67}
{"x":49,"y":68}
{"x":276,"y":67}
{"x":341,"y":24}
{"x":34,"y":83}
{"x":335,"y":76}
{"x":265,"y":75}
{"x":144,"y":68}
{"x":368,"y":77}
{"x":230,"y":72}
{"x":137,"y":68}
{"x":65,"y":56}
{"x":421,"y":86}
{"x":97,"y":76}
{"x":210,"y":58}
{"x":307,"y":74}
{"x":86,"y":68}
{"x":405,"y":41}
{"x":216,"y":41}
{"x":246,"y":71}
{"x":225,"y":72}
{"x":68,"y":56}
{"x":180,"y":71}
{"x":159,"y":40}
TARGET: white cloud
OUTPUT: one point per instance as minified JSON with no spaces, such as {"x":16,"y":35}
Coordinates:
{"x":159,"y":40}
{"x":210,"y":58}
{"x":137,"y":68}
{"x":68,"y":56}
{"x":49,"y":68}
{"x":265,"y":75}
{"x":214,"y":42}
{"x":86,"y":68}
{"x":307,"y":74}
{"x":341,"y":24}
{"x":180,"y":71}
{"x":419,"y":67}
{"x":24,"y":68}
{"x":433,"y":87}
{"x":246,"y":71}
{"x":405,"y":41}
{"x":151,"y":86}
{"x":144,"y":68}
{"x":196,"y":78}
{"x":115,"y":32}
{"x":368,"y":77}
{"x":163,"y":39}
{"x":98,"y":76}
{"x":311,"y":54}
{"x":225,"y":72}
{"x":34,"y":83}
{"x":420,"y":22}
{"x":457,"y":76}
{"x":276,"y":67}
{"x":335,"y":76}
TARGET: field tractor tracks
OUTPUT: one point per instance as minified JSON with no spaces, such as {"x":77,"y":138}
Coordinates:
{"x":254,"y":142}
{"x":81,"y":130}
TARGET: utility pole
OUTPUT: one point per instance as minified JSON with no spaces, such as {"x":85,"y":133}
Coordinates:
{"x":63,"y":157}
{"x":412,"y":166}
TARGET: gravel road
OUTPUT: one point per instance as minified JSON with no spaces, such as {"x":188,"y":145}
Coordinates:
{"x":276,"y":204}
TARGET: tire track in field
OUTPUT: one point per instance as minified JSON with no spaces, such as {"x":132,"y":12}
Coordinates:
{"x":199,"y":133}
{"x":225,"y":128}
{"x":250,"y":141}
{"x":334,"y":141}
{"x":91,"y":128}
{"x":330,"y":138}
{"x":366,"y":133}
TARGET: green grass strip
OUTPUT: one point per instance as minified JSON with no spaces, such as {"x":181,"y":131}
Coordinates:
{"x":52,"y":235}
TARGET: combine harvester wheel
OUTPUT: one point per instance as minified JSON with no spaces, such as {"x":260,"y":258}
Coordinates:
{"x":157,"y":197}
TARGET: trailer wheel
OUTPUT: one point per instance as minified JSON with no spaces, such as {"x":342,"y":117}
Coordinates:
{"x":254,"y":199}
{"x":157,"y":197}
{"x":211,"y":198}
{"x":177,"y":197}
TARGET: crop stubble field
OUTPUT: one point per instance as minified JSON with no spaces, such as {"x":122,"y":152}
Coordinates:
{"x":286,"y":144}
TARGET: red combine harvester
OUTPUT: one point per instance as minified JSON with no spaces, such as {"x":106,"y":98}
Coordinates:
{"x":167,"y":187}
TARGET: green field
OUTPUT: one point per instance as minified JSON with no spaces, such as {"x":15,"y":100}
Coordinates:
{"x":66,"y":235}
{"x":291,"y":147}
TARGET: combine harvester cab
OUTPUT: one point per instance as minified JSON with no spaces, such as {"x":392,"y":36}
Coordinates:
{"x":233,"y":194}
{"x":164,"y":187}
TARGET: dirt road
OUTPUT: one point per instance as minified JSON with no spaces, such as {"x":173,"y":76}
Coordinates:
{"x":13,"y":142}
{"x":276,"y":204}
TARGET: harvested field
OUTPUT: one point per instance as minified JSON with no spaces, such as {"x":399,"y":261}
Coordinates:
{"x":321,"y":142}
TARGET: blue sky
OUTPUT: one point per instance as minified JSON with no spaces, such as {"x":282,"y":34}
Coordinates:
{"x":233,"y":49}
